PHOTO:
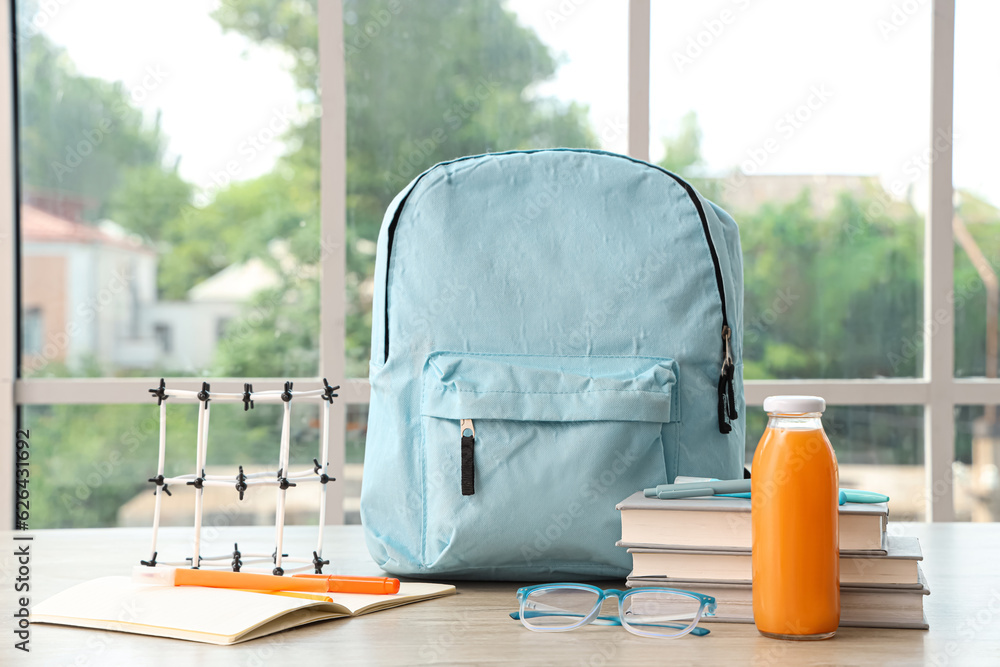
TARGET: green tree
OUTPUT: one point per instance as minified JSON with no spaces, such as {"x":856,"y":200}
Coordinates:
{"x":852,"y":283}
{"x":843,"y":302}
{"x":80,"y":137}
{"x":147,"y":199}
{"x":87,"y":463}
{"x":242,"y":222}
{"x":682,"y":153}
{"x":682,"y":156}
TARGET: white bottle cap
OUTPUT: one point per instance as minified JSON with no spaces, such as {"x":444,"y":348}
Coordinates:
{"x":793,"y":405}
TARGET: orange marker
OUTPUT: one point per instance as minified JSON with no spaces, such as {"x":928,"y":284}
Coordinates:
{"x":172,"y":576}
{"x":368,"y":585}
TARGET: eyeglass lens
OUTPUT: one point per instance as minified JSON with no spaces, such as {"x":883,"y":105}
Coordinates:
{"x":660,"y":612}
{"x":558,"y":607}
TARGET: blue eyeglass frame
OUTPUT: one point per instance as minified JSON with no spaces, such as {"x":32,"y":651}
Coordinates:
{"x":706,"y":607}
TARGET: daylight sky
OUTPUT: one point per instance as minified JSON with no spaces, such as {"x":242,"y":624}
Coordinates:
{"x":776,"y":87}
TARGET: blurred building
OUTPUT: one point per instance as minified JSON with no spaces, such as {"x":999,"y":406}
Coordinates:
{"x":748,"y":192}
{"x":89,"y":294}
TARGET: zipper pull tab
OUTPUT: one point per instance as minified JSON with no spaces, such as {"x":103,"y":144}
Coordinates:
{"x":731,"y":373}
{"x":727,"y":394}
{"x":468,"y":430}
{"x":727,"y":349}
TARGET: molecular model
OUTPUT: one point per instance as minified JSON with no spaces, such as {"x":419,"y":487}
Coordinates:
{"x":282,"y":478}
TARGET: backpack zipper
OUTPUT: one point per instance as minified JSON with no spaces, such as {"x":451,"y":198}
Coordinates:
{"x":727,"y":394}
{"x":468,"y":431}
{"x":727,"y":399}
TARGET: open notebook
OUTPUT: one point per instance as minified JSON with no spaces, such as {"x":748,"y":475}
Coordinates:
{"x":210,"y":615}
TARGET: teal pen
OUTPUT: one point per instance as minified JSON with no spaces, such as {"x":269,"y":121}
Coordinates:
{"x":740,"y":488}
{"x":855,"y":496}
{"x":691,"y":489}
{"x":846,"y":496}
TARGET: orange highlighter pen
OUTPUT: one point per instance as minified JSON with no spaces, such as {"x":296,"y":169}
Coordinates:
{"x":367,"y":585}
{"x":315,"y":583}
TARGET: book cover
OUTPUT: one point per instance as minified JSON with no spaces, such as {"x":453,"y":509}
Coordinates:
{"x":724,"y":523}
{"x":860,"y":606}
{"x":898,"y":567}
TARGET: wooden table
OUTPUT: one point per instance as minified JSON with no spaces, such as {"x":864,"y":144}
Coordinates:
{"x":961,"y":561}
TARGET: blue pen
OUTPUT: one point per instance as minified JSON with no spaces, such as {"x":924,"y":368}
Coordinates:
{"x":846,"y":496}
{"x":709,"y":487}
{"x":740,"y":488}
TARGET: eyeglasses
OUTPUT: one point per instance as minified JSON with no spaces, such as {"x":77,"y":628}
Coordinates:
{"x":648,"y":612}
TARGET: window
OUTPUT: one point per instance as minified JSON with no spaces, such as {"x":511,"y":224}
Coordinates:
{"x":977,"y":192}
{"x":830,"y":205}
{"x":152,"y":193}
{"x":172,"y":225}
{"x":976,"y":225}
{"x":169,"y":221}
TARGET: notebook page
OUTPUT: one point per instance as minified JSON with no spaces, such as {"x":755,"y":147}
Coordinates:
{"x":408,"y":592}
{"x":116,"y":603}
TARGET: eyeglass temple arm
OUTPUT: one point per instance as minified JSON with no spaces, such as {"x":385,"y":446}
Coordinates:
{"x":610,"y":620}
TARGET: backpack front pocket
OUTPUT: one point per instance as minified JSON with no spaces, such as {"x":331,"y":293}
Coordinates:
{"x":525,"y":457}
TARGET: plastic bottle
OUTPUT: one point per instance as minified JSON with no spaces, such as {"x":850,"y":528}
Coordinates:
{"x":794,"y":511}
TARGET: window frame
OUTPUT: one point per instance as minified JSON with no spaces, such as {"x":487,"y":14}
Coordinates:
{"x":938,"y":391}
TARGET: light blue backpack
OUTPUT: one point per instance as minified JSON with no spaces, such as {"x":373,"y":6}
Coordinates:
{"x":552,"y":331}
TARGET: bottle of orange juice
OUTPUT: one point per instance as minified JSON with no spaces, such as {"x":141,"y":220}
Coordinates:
{"x":794,"y":511}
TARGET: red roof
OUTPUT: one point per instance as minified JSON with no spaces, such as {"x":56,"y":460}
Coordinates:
{"x":40,"y":226}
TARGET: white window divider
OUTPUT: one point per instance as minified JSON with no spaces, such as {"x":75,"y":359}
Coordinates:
{"x":638,"y":79}
{"x":333,"y":226}
{"x":939,"y":277}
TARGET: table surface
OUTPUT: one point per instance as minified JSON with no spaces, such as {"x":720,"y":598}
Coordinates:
{"x":961,"y":562}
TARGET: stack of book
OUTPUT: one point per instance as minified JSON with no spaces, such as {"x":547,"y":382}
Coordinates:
{"x":703,"y":545}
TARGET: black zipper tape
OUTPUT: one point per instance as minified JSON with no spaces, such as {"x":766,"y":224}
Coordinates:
{"x":468,"y":465}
